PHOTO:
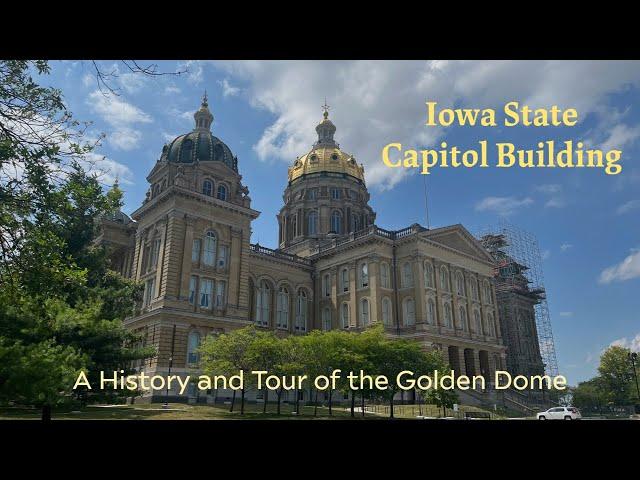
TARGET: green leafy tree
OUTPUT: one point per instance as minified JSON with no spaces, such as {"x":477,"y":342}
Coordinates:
{"x":616,"y":374}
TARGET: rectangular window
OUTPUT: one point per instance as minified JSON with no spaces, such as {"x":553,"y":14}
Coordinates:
{"x":220,"y":288}
{"x":223,"y":254}
{"x":195,"y":251}
{"x":193,"y":283}
{"x":149,"y":293}
{"x":206,"y":291}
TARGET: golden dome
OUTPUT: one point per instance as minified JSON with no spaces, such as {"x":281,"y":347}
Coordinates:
{"x":326,"y":156}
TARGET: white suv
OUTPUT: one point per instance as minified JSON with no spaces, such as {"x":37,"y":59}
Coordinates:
{"x":560,"y":413}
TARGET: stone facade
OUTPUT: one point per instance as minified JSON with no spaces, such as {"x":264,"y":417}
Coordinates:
{"x":189,"y":243}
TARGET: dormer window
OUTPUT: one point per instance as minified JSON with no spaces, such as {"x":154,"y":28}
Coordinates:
{"x":334,"y":157}
{"x":313,"y":158}
{"x":222,"y":192}
{"x":207,"y":188}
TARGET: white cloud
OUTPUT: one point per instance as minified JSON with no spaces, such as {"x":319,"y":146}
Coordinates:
{"x":88,"y":79}
{"x":194,"y":71}
{"x":504,"y":206}
{"x":555,"y":203}
{"x":107,"y":169}
{"x":566,"y":246}
{"x":628,"y":207}
{"x":125,"y":139}
{"x":116,"y":111}
{"x":228,"y":90}
{"x":627,"y":269}
{"x":633,"y":344}
{"x":132,"y":82}
{"x":546,"y":254}
{"x":566,"y":314}
{"x":171,"y":90}
{"x":620,"y":136}
{"x":549,"y":188}
{"x":377,"y":102}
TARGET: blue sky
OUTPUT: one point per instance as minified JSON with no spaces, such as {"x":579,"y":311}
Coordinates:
{"x":587,"y":223}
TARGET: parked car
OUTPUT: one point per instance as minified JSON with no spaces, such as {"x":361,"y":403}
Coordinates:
{"x":560,"y":413}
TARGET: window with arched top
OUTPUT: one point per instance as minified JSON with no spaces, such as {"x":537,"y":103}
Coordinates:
{"x":474,"y":288}
{"x":312,"y":222}
{"x":384,"y":275}
{"x":301,"y":311}
{"x":355,"y":223}
{"x":364,"y":275}
{"x":344,"y":315}
{"x":344,"y":279}
{"x":282,"y":308}
{"x":326,"y":319}
{"x":326,"y":285}
{"x":386,"y":311}
{"x":492,"y":325}
{"x":336,"y":222}
{"x":447,"y":316}
{"x":407,"y":275}
{"x":431,"y":312}
{"x":444,"y":278}
{"x":222,"y":192}
{"x":428,"y":274}
{"x":477,"y":321}
{"x":460,"y":284}
{"x":263,"y":303}
{"x":207,"y":187}
{"x":193,"y":344}
{"x":210,"y":244}
{"x":364,"y":312}
{"x":463,"y":318}
{"x":409,"y":311}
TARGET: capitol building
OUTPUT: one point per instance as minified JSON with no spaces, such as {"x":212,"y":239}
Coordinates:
{"x":189,"y":243}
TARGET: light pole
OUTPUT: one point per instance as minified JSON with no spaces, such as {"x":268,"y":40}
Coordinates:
{"x":633,"y":356}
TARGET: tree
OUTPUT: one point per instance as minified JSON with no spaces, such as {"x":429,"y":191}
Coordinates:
{"x":265,"y":354}
{"x":228,"y":354}
{"x":589,"y":395}
{"x":616,"y":374}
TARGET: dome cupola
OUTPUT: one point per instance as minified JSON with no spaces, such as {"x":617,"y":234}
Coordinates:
{"x":200,"y":145}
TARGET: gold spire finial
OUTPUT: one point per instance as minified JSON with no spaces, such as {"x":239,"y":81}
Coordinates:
{"x":325,"y":109}
{"x":205,"y":99}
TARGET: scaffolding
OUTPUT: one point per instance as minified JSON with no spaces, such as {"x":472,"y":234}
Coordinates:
{"x":519,"y":276}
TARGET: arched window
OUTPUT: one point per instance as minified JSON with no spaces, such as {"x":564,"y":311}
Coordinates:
{"x":407,"y":275}
{"x":336,"y":222}
{"x":463,"y":318}
{"x":431,"y":312}
{"x":326,"y":285}
{"x":210,"y":243}
{"x":384,"y":276}
{"x":364,"y":275}
{"x":344,"y":279}
{"x":355,"y":223}
{"x":477,"y":321}
{"x":474,"y":288}
{"x":282,"y":308}
{"x":326,"y":319}
{"x":386,"y":311}
{"x":222,"y":192}
{"x":192,"y":348}
{"x":344,"y":315}
{"x":313,"y":222}
{"x":492,"y":325}
{"x":447,"y":315}
{"x":263,"y":303}
{"x":460,"y":284}
{"x":301,"y":311}
{"x":207,"y":187}
{"x":428,"y":274}
{"x":409,"y":311}
{"x":444,"y":278}
{"x":488,"y":298}
{"x":364,"y":312}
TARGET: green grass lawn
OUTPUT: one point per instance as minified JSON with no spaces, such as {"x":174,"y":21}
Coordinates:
{"x":180,"y":411}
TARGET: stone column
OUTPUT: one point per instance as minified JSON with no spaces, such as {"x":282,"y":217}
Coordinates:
{"x":333,"y":275}
{"x":375,"y":300}
{"x":419,"y":288}
{"x":235,"y":253}
{"x":183,"y":291}
{"x":476,"y":361}
{"x":461,"y":361}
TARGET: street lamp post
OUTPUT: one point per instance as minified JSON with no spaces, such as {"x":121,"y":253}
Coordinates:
{"x":633,"y":356}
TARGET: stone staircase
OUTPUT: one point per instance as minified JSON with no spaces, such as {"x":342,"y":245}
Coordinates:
{"x":510,"y":399}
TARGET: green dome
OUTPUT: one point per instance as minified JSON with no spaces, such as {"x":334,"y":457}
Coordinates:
{"x":199,"y":145}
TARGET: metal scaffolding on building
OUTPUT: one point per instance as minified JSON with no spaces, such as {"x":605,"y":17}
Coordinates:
{"x":519,"y":275}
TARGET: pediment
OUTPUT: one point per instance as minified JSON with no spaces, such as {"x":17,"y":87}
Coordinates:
{"x":459,"y":238}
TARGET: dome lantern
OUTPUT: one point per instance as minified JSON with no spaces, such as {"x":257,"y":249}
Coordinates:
{"x":203,"y":116}
{"x":326,"y":129}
